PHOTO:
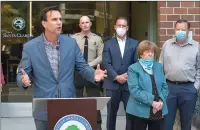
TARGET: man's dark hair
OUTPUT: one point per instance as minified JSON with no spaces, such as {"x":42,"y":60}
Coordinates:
{"x":183,"y":21}
{"x":121,"y":17}
{"x":43,"y":15}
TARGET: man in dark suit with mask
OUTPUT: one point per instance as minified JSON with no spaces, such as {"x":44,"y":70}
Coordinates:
{"x":118,"y":54}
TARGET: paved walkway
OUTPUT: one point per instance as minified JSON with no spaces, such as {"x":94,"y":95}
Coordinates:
{"x":28,"y":123}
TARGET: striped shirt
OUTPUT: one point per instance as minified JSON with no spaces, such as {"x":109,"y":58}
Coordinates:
{"x":181,"y":62}
{"x":53,"y":55}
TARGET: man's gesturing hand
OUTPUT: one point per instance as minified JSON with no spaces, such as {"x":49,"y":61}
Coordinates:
{"x":100,"y":74}
{"x":25,"y":79}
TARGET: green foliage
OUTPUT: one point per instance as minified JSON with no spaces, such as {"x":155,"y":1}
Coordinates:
{"x":72,"y":127}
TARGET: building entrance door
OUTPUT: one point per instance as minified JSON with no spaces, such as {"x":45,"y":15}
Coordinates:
{"x":15,"y":102}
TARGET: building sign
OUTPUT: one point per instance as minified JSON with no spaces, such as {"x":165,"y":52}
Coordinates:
{"x":18,"y":23}
{"x":15,"y":35}
{"x":73,"y":122}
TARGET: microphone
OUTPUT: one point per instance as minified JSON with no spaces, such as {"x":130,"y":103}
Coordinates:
{"x":57,"y":47}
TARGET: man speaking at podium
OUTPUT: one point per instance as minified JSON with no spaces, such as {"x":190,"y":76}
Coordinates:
{"x":50,"y":60}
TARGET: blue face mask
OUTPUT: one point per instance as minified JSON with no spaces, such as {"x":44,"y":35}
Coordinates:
{"x":181,"y":35}
{"x":147,"y":64}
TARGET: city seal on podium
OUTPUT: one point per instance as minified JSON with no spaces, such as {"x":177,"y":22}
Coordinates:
{"x":72,"y":122}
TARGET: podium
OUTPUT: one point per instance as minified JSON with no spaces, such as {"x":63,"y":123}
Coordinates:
{"x":71,"y":113}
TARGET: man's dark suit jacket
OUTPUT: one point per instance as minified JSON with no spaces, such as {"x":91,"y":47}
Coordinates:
{"x":115,"y":64}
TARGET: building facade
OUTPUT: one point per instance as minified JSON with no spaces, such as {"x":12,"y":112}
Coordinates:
{"x":20,"y":22}
{"x":168,"y":12}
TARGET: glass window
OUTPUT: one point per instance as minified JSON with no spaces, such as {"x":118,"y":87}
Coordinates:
{"x":14,"y":33}
{"x":71,"y":12}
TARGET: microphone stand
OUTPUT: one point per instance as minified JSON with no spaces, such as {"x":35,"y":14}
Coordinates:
{"x":58,"y":78}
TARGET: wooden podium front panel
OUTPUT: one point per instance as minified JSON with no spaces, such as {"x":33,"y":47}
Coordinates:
{"x":58,"y":108}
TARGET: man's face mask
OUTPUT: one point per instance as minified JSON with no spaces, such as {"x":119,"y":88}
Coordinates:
{"x":121,"y":31}
{"x":181,"y":35}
